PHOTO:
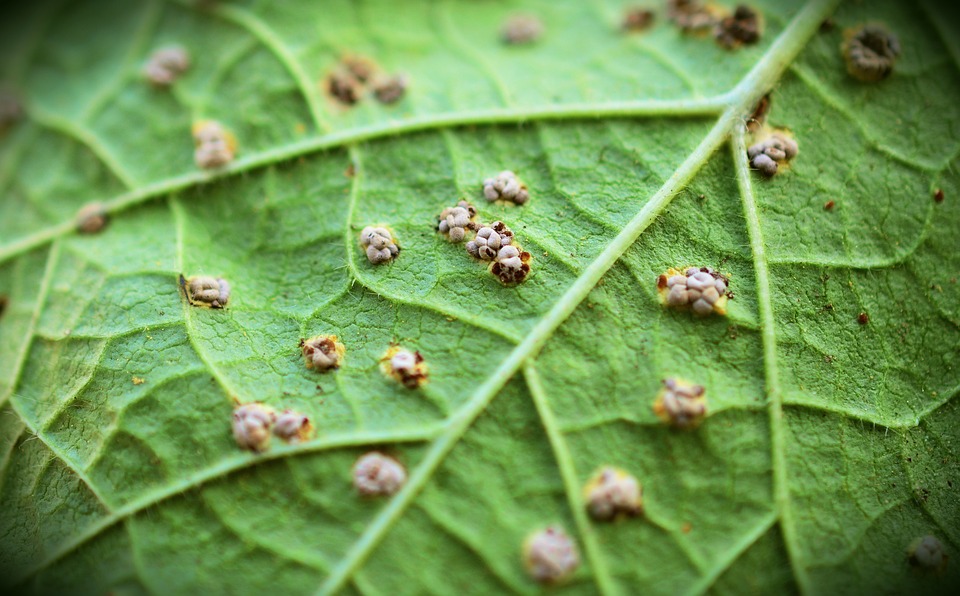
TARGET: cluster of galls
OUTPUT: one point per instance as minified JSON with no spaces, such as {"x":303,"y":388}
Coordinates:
{"x":214,"y":145}
{"x":349,"y":80}
{"x":681,"y":404}
{"x":379,"y":244}
{"x":870,"y":52}
{"x":767,"y":154}
{"x":495,"y":242}
{"x":702,"y":290}
{"x":405,"y":367}
{"x":323,"y":352}
{"x":166,"y":65}
{"x":613,"y":493}
{"x":730,"y":30}
{"x":376,"y":474}
{"x":505,"y":186}
{"x":254,"y":423}
{"x":455,"y":221}
{"x":201,"y":290}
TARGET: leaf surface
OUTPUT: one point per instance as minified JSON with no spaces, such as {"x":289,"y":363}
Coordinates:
{"x":830,"y":445}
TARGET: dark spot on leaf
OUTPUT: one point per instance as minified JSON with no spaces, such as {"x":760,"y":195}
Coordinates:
{"x":828,"y":206}
{"x":863,"y":318}
{"x":938,"y":195}
{"x":740,"y":28}
{"x":637,"y":19}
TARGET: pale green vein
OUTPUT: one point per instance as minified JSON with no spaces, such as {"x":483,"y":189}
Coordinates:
{"x":734,"y":552}
{"x":616,"y":109}
{"x":781,"y":489}
{"x":744,"y":97}
{"x":53,"y":258}
{"x":571,"y":484}
{"x":222,"y":469}
{"x":80,"y":134}
{"x":179,"y":218}
{"x":308,"y":87}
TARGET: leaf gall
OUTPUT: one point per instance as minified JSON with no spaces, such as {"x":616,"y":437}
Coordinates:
{"x":612,"y":493}
{"x":166,"y":65}
{"x":293,"y":427}
{"x":455,"y":221}
{"x":550,"y":555}
{"x":91,"y":218}
{"x":700,"y":289}
{"x":379,"y":244}
{"x":927,"y":553}
{"x":681,"y":404}
{"x":215,"y":146}
{"x":870,"y":52}
{"x":322,"y":352}
{"x":740,"y":28}
{"x":520,"y":29}
{"x":252,"y":423}
{"x":211,"y":292}
{"x":505,"y":186}
{"x":376,"y":474}
{"x":405,"y":367}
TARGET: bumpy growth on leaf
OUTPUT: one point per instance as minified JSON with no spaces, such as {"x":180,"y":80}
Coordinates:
{"x":489,"y":240}
{"x":767,"y":154}
{"x":323,"y":352}
{"x":612,"y":493}
{"x":455,"y":221}
{"x":91,"y":218}
{"x":252,"y":424}
{"x":681,"y":404}
{"x":700,"y":289}
{"x":215,"y":146}
{"x":166,"y":65}
{"x":927,"y":553}
{"x":405,"y":366}
{"x":379,"y":244}
{"x":202,"y":290}
{"x":293,"y":427}
{"x":507,"y":187}
{"x":521,"y":29}
{"x":550,"y":555}
{"x":376,"y":474}
{"x":870,"y":52}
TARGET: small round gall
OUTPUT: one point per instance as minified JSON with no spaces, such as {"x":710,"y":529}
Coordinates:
{"x":455,"y":221}
{"x":637,"y":19}
{"x":489,"y":240}
{"x":863,"y":318}
{"x":512,"y":265}
{"x":166,"y":65}
{"x":376,"y":474}
{"x":215,"y":146}
{"x":389,"y":89}
{"x":870,"y":52}
{"x":91,"y":218}
{"x":505,"y":186}
{"x":927,"y":553}
{"x":360,"y":67}
{"x":379,"y":244}
{"x":521,"y":29}
{"x":211,"y":292}
{"x":700,"y":289}
{"x":681,"y":404}
{"x":323,"y":352}
{"x":740,"y":28}
{"x":938,"y":195}
{"x":293,"y":427}
{"x":343,"y":86}
{"x":405,"y":367}
{"x":690,"y":15}
{"x":612,"y":493}
{"x":252,"y":424}
{"x":550,"y":555}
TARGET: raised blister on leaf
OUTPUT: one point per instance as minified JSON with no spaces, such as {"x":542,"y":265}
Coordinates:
{"x":404,"y":366}
{"x":740,"y":28}
{"x":550,"y":555}
{"x":700,"y":289}
{"x":511,"y":265}
{"x":681,"y":404}
{"x":506,"y":186}
{"x":489,"y":240}
{"x":389,"y":88}
{"x":870,"y":52}
{"x":637,"y":19}
{"x":166,"y":65}
{"x":202,"y":290}
{"x":91,"y":218}
{"x":612,"y":493}
{"x":293,"y":427}
{"x":379,"y":244}
{"x":691,"y":15}
{"x":456,"y":221}
{"x":927,"y":553}
{"x":521,"y":29}
{"x":252,"y":425}
{"x":214,"y":145}
{"x":376,"y":474}
{"x":322,"y":352}
{"x":774,"y":149}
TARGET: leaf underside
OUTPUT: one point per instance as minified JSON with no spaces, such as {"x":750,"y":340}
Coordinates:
{"x":830,"y":445}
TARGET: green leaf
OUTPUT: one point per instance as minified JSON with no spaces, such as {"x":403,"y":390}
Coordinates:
{"x":830,"y":445}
